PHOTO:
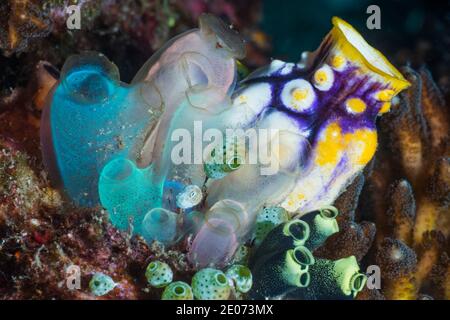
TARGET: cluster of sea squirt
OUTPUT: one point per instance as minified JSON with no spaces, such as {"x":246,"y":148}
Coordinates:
{"x":109,"y":143}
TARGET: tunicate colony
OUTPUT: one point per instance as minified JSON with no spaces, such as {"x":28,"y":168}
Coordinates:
{"x":111,"y":144}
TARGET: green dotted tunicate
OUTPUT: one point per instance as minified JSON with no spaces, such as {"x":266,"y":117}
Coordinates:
{"x":241,"y":256}
{"x":101,"y":284}
{"x":158,"y":274}
{"x":268,"y":219}
{"x":220,"y":164}
{"x":210,"y":284}
{"x":178,"y":290}
{"x":241,"y":277}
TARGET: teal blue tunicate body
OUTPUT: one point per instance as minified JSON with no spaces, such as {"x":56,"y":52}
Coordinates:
{"x":127,"y":192}
{"x":92,"y":118}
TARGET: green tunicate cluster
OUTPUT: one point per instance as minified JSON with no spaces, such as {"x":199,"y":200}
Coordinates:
{"x":101,"y":284}
{"x":211,"y":284}
{"x":267,"y":219}
{"x":322,"y":224}
{"x":283,"y":266}
{"x":280,"y":272}
{"x":283,"y":237}
{"x":241,"y":277}
{"x":178,"y":290}
{"x":158,"y":274}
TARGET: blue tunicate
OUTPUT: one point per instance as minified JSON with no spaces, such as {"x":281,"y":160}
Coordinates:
{"x":161,"y":225}
{"x":92,"y":118}
{"x":127,"y":193}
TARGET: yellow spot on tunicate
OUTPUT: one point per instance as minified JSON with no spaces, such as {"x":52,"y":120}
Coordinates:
{"x":300,"y":196}
{"x":385,"y":108}
{"x":330,"y":146}
{"x":323,"y":78}
{"x":355,"y":105}
{"x":361,"y":145}
{"x":337,"y":61}
{"x":320,"y":76}
{"x":385,"y":95}
{"x":243,"y":99}
{"x":300,"y":94}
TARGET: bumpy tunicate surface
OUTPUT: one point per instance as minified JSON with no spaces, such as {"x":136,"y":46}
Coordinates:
{"x":210,"y":284}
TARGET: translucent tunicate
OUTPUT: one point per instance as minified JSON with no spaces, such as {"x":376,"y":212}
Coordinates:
{"x":214,"y":244}
{"x":91,"y":118}
{"x":189,"y":197}
{"x":127,"y":193}
{"x":161,"y":225}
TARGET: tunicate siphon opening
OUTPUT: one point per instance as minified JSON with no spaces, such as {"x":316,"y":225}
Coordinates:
{"x":90,"y":78}
{"x":228,"y":38}
{"x":358,"y":281}
{"x":160,"y":224}
{"x":229,"y":211}
{"x":118,"y":170}
{"x":297,"y":229}
{"x":329,"y":212}
{"x":158,"y":216}
{"x":153,"y":266}
{"x":233,"y":163}
{"x":304,"y":279}
{"x":303,"y":256}
{"x":244,"y":272}
{"x":179,"y":290}
{"x":221,"y":279}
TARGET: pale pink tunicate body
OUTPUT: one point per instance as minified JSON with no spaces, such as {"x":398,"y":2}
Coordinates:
{"x":214,"y":244}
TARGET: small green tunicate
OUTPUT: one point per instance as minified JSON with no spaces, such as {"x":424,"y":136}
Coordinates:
{"x":211,"y":284}
{"x":333,"y":279}
{"x":323,"y":224}
{"x":284,"y":237}
{"x":158,"y":274}
{"x":241,"y":277}
{"x":178,"y":290}
{"x":101,"y":284}
{"x":278,"y":273}
{"x":220,"y":164}
{"x":267,"y":219}
{"x":242,"y":255}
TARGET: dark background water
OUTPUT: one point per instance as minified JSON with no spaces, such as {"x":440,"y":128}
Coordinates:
{"x":413,"y":31}
{"x":297,"y":25}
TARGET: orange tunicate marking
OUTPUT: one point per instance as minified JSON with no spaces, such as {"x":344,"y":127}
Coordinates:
{"x":329,"y":147}
{"x":360,"y":145}
{"x":385,"y":107}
